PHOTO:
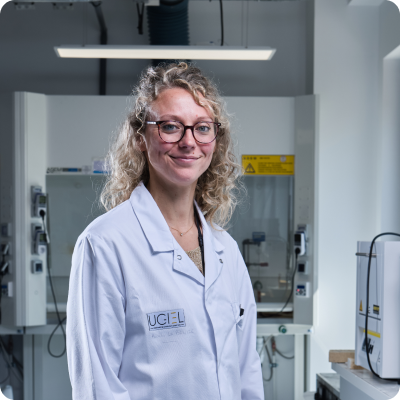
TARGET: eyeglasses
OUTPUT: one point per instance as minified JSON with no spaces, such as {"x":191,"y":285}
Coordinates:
{"x":173,"y":131}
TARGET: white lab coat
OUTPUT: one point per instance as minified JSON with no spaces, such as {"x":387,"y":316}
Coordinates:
{"x":130,"y":280}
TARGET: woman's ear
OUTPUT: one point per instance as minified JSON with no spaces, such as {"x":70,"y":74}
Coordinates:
{"x":215,"y":146}
{"x":141,"y":143}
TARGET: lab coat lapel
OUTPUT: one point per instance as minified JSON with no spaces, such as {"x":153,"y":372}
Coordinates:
{"x":184,"y":265}
{"x":151,"y":220}
{"x":158,"y":233}
{"x":212,"y":257}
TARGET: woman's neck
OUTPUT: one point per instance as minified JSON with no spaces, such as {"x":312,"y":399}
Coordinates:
{"x":174,"y":202}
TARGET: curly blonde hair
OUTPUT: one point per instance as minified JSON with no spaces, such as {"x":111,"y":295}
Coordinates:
{"x":216,"y":190}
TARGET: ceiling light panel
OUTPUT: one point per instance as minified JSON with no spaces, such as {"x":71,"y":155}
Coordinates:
{"x":167,"y":52}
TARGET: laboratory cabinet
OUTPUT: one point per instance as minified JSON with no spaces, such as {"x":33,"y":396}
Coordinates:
{"x":55,"y":145}
{"x":328,"y":386}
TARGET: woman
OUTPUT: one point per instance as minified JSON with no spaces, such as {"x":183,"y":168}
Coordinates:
{"x":160,"y":303}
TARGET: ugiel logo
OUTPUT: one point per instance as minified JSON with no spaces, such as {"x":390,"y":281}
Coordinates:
{"x":166,"y":319}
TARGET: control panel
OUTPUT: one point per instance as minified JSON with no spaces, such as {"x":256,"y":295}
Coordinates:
{"x":302,"y":289}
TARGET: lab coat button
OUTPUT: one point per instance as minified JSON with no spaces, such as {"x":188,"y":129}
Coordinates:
{"x":220,"y":260}
{"x":179,"y":257}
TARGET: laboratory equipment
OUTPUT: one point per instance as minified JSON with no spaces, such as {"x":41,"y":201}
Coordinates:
{"x":62,"y":169}
{"x":39,"y":202}
{"x":300,"y":242}
{"x":37,"y":266}
{"x":263,"y":229}
{"x":40,"y":242}
{"x":383,"y":309}
{"x":22,"y":203}
{"x":302,"y":290}
{"x":302,"y":267}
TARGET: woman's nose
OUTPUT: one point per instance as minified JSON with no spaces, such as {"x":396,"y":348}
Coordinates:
{"x":188,"y":139}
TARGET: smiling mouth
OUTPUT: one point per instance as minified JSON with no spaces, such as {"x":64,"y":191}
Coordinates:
{"x":185,"y":158}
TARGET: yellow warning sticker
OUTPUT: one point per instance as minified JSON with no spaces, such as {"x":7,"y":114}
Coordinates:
{"x":267,"y":165}
{"x":372,"y":333}
{"x":361,"y":306}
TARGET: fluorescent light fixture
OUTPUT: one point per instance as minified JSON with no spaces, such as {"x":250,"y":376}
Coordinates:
{"x":167,"y":52}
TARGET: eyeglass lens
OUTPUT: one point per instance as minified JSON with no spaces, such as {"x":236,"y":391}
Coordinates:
{"x":172,"y":131}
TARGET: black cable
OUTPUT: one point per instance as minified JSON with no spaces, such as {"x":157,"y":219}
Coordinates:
{"x":222,"y":22}
{"x":7,"y":377}
{"x":282,"y":355}
{"x":366,"y":312}
{"x":11,"y":367}
{"x":200,"y":238}
{"x":42,"y":215}
{"x":8,"y":366}
{"x":2,"y":273}
{"x":1,"y":292}
{"x":51,"y":336}
{"x":103,"y":41}
{"x":140,"y":17}
{"x":15,"y":362}
{"x":60,"y":322}
{"x":294,"y":274}
{"x":270,"y":363}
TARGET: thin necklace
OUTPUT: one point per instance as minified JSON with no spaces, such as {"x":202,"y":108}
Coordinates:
{"x":182,"y":233}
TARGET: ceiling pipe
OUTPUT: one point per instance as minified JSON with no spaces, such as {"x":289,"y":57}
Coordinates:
{"x":103,"y":41}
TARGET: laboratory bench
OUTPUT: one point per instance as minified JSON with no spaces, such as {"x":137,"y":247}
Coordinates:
{"x":361,"y":384}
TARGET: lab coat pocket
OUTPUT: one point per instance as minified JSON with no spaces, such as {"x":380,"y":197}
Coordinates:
{"x":236,"y":314}
{"x":239,"y":323}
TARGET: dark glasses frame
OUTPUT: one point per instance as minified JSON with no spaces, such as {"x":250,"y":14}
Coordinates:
{"x":185,"y":127}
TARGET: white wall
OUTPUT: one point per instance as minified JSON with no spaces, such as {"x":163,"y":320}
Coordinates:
{"x":389,"y":176}
{"x":262,"y":125}
{"x":28,"y":62}
{"x":348,"y":78}
{"x":359,"y":141}
{"x":80,"y":127}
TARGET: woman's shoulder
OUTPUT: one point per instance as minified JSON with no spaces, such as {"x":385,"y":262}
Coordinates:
{"x":112,"y":222}
{"x":223,"y":237}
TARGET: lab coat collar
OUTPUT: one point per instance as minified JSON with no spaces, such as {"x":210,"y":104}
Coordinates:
{"x":160,"y":238}
{"x":151,"y":220}
{"x":216,"y":244}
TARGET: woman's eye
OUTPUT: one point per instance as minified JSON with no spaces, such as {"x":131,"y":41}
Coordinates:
{"x":170,"y":127}
{"x":203,"y":128}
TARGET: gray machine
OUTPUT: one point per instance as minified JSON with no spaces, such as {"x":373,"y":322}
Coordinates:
{"x":383,"y":310}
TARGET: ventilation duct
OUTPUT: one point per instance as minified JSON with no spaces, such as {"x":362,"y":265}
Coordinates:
{"x":168,"y":24}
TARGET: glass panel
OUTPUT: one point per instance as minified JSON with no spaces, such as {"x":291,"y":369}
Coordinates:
{"x":73,"y":205}
{"x":262,"y":227}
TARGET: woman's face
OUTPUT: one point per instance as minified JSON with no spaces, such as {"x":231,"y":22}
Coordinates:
{"x":179,"y":163}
